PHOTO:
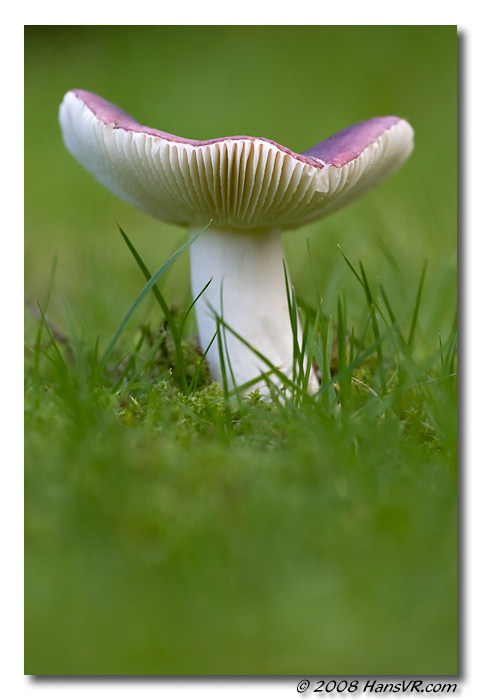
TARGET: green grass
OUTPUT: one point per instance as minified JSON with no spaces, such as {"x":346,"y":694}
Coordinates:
{"x":176,"y":530}
{"x":169,"y":527}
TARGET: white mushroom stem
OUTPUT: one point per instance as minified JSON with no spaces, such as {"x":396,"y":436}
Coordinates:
{"x":248,"y":291}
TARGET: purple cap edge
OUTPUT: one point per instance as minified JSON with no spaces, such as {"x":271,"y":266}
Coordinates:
{"x":348,"y":144}
{"x":337,"y":150}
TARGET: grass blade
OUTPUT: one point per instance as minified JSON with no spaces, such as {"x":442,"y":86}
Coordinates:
{"x":351,"y":266}
{"x":394,"y":324}
{"x":198,"y":369}
{"x":416,"y":307}
{"x":227,"y":408}
{"x":375,"y":329}
{"x":362,"y":281}
{"x":133,"y":308}
{"x":345,"y":380}
{"x":165,"y":308}
{"x":194,"y":302}
{"x":52,"y":339}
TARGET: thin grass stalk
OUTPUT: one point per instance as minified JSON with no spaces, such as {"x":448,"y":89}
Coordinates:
{"x":375,"y":329}
{"x":225,"y":347}
{"x":146,"y":289}
{"x":195,"y":378}
{"x":360,"y":280}
{"x":344,"y":381}
{"x":194,"y":302}
{"x":416,"y":306}
{"x":405,"y":349}
{"x":227,"y":407}
{"x":292,"y":310}
{"x":38,"y":336}
{"x":63,"y":366}
{"x":166,"y":311}
{"x":310,"y":349}
{"x":133,"y":357}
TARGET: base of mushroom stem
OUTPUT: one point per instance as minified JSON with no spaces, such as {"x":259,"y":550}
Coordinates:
{"x":273,"y":385}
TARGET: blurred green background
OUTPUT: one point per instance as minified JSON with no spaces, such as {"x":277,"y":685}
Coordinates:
{"x":279,"y":559}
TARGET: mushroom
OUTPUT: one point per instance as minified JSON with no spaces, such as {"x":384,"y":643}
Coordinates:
{"x":251,"y":189}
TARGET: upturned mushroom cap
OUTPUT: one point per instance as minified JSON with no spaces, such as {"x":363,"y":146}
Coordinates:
{"x":239,"y":182}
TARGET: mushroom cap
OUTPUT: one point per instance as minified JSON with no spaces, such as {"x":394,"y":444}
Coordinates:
{"x":240,"y":182}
